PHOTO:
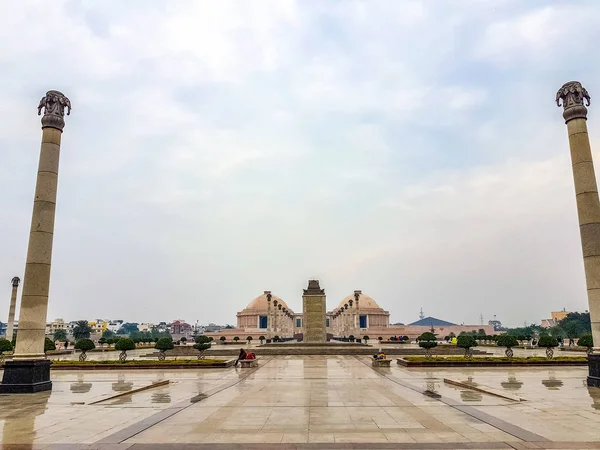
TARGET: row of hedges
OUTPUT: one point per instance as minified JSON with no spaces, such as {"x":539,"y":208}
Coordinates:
{"x":428,"y":341}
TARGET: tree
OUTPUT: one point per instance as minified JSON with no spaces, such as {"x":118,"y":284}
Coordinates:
{"x":5,"y":346}
{"x":183,"y":339}
{"x":124,"y":345}
{"x":549,"y":342}
{"x":82,"y":330}
{"x":236,"y":339}
{"x":108,"y":334}
{"x":467,"y":342}
{"x":49,"y":345}
{"x":427,"y":341}
{"x":576,"y":324}
{"x":509,"y":341}
{"x":249,"y":339}
{"x":60,"y":335}
{"x":202,"y":344}
{"x":162,"y":345}
{"x":84,"y":345}
{"x":128,"y":328}
{"x":222,"y":339}
{"x":102,"y":341}
{"x":261,"y":339}
{"x":587,"y":341}
{"x":366,"y":339}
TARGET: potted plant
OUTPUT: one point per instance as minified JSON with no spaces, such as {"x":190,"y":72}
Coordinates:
{"x":124,"y":345}
{"x":405,"y":339}
{"x":508,"y":341}
{"x":467,"y":342}
{"x":427,"y":341}
{"x":236,"y":339}
{"x":222,"y":339}
{"x":183,"y":340}
{"x":261,"y":339}
{"x":202,"y":344}
{"x":366,"y":339}
{"x":162,"y":346}
{"x":84,"y":345}
{"x":587,"y":341}
{"x":380,"y":339}
{"x":249,"y":339}
{"x":549,"y":342}
{"x":5,"y":346}
{"x":351,"y":338}
{"x":275,"y":338}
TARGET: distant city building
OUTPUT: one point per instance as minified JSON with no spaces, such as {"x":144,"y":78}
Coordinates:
{"x":58,"y":324}
{"x":145,"y":327}
{"x":432,"y":322}
{"x":114,"y":325}
{"x":180,"y":327}
{"x":557,"y":316}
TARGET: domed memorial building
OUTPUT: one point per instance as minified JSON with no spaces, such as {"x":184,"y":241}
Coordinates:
{"x":357,"y":314}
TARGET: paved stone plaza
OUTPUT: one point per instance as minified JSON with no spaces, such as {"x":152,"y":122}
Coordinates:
{"x":307,"y":402}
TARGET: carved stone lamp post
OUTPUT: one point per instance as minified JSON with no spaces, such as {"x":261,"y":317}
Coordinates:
{"x":573,"y":97}
{"x":11,"y":310}
{"x":29,"y":371}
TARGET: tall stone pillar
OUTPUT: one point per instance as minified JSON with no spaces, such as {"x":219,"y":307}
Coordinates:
{"x":314,"y":311}
{"x":269,"y":317}
{"x":572,"y":95}
{"x":11,"y":309}
{"x":29,"y":371}
{"x":275,"y":303}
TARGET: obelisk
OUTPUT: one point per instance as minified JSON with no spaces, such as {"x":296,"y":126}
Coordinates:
{"x":314,"y":311}
{"x":573,"y":95}
{"x":11,"y":309}
{"x":29,"y":371}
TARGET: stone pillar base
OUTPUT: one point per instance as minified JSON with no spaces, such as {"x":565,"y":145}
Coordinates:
{"x":26,"y":376}
{"x":593,"y":378}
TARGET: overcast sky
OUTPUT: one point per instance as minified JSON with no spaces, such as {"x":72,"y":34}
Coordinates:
{"x":219,"y":149}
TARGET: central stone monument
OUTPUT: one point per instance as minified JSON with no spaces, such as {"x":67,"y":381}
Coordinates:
{"x":314,"y":309}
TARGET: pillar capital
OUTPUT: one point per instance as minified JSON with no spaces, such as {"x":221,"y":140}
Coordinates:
{"x":573,"y":95}
{"x":15,"y":282}
{"x":54,"y":104}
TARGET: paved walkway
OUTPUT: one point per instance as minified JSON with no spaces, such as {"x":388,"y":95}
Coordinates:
{"x":309,"y":402}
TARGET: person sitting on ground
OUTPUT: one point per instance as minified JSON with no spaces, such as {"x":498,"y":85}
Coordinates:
{"x":241,"y":356}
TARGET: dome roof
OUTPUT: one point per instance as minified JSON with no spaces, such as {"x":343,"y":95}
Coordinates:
{"x":261,"y":303}
{"x":364,"y":301}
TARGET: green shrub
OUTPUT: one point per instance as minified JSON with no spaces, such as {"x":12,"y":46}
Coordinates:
{"x":236,"y":338}
{"x":380,"y":339}
{"x":466,"y":341}
{"x":405,"y":338}
{"x":506,"y":340}
{"x":548,"y":341}
{"x":84,"y":345}
{"x":125,"y":345}
{"x":366,"y":338}
{"x":102,"y":341}
{"x":249,"y":338}
{"x":5,"y":346}
{"x":49,"y":345}
{"x":163,"y":344}
{"x":586,"y":341}
{"x":261,"y":339}
{"x":201,"y":339}
{"x":183,"y":339}
{"x":276,"y":338}
{"x":222,"y":338}
{"x":427,"y":341}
